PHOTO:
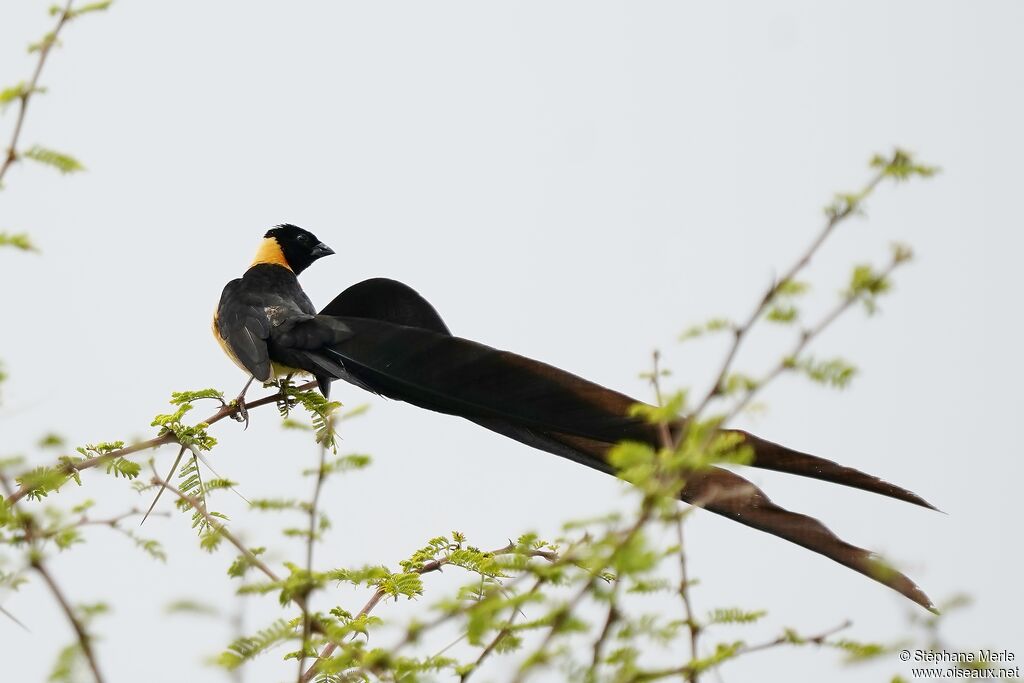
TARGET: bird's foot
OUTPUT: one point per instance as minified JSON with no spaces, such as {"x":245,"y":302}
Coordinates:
{"x":241,"y":413}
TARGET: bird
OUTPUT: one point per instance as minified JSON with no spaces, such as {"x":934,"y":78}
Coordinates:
{"x":382,"y":336}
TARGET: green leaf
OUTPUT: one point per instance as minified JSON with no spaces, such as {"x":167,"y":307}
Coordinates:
{"x":44,"y":43}
{"x":859,"y":652}
{"x":346,"y":463}
{"x":67,"y":537}
{"x":51,"y":440}
{"x":708,"y":327}
{"x":68,"y":660}
{"x":62,"y":162}
{"x":734,"y":615}
{"x":122,"y":467}
{"x":181,"y":397}
{"x":836,"y":372}
{"x":783,"y":314}
{"x":16,"y":92}
{"x":243,"y":563}
{"x":901,"y":165}
{"x":84,"y":9}
{"x":246,"y":648}
{"x":17,"y":241}
{"x":187,"y":435}
{"x":409,"y":584}
{"x":187,"y":606}
{"x":40,"y":481}
{"x":151,"y":547}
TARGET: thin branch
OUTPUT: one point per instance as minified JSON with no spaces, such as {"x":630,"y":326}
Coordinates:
{"x":310,"y":540}
{"x":162,"y":440}
{"x":36,"y":562}
{"x":805,"y":338}
{"x":505,"y":630}
{"x":217,"y":525}
{"x":684,"y":580}
{"x":432,"y":566}
{"x":740,"y":333}
{"x":33,"y":85}
{"x":563,"y":614}
{"x":785,"y":639}
{"x":610,"y":620}
{"x":112,"y":522}
{"x":684,"y":593}
{"x":84,"y":639}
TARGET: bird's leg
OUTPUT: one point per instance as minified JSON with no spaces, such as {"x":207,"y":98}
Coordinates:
{"x":241,"y":414}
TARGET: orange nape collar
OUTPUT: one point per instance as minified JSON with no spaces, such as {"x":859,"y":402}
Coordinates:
{"x":270,"y":252}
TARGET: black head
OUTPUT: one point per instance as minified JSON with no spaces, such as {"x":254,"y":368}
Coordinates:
{"x":299,"y":247}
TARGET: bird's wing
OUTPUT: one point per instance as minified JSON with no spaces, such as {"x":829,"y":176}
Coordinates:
{"x":243,"y":328}
{"x":461,"y":377}
{"x":388,"y":300}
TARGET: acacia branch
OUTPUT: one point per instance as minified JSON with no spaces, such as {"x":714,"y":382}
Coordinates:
{"x":28,"y":91}
{"x":505,"y":630}
{"x":226,"y":410}
{"x":306,"y":622}
{"x":740,"y":332}
{"x":112,"y":522}
{"x":694,"y":628}
{"x":36,"y":562}
{"x":215,"y":524}
{"x":610,"y":620}
{"x":428,"y":567}
{"x":562,"y":615}
{"x":807,"y":336}
{"x":684,"y":594}
{"x":84,"y":639}
{"x":785,"y":639}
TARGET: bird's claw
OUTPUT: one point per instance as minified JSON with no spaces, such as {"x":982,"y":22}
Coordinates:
{"x":241,"y":413}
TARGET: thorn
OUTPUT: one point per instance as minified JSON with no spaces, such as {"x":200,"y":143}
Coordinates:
{"x":14,"y":619}
{"x":163,"y":486}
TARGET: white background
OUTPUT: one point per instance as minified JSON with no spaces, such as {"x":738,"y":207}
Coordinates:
{"x":576,"y":181}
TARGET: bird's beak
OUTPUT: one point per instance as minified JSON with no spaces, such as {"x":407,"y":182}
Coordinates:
{"x":321,"y":250}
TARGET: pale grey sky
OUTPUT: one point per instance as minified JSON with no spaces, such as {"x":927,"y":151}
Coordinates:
{"x":575,"y":181}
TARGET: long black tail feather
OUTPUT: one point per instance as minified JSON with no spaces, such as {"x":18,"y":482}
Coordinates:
{"x":401,"y":348}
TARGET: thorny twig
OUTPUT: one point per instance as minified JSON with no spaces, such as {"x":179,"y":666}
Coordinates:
{"x":787,"y":638}
{"x":30,"y":89}
{"x":432,"y":566}
{"x":224,"y":411}
{"x":310,"y":540}
{"x":36,"y":562}
{"x":740,"y":332}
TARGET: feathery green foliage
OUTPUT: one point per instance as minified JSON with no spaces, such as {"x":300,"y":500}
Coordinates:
{"x":87,"y":8}
{"x":18,"y":240}
{"x":835,"y":372}
{"x":186,"y":435}
{"x":320,"y":409}
{"x":710,"y":326}
{"x":65,"y":163}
